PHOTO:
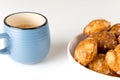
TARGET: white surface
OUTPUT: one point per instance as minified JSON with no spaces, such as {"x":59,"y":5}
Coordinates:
{"x":66,"y":19}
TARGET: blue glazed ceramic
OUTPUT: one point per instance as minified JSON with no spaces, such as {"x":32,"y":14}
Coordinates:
{"x":26,"y":44}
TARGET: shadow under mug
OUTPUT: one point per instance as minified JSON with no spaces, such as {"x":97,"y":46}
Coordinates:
{"x":27,"y":37}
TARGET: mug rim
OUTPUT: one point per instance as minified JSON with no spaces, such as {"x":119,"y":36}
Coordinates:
{"x":25,"y":28}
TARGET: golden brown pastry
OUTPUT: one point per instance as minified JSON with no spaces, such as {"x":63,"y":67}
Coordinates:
{"x":106,"y":41}
{"x":100,"y":38}
{"x":119,"y":39}
{"x":96,"y":26}
{"x":116,"y":29}
{"x":99,"y":65}
{"x":113,"y":59}
{"x":85,"y":51}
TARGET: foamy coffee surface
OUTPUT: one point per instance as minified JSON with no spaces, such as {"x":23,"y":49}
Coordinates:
{"x":26,"y":26}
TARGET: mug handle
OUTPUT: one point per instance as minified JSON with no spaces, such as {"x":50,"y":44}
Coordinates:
{"x":5,"y":36}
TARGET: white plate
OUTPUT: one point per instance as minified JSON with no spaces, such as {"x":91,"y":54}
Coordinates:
{"x":83,"y":72}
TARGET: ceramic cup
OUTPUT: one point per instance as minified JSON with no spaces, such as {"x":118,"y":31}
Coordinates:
{"x":27,"y":37}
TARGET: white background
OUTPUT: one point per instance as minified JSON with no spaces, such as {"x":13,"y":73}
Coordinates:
{"x":66,"y":19}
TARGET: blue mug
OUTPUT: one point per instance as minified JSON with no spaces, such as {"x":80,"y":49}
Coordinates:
{"x":27,"y":37}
